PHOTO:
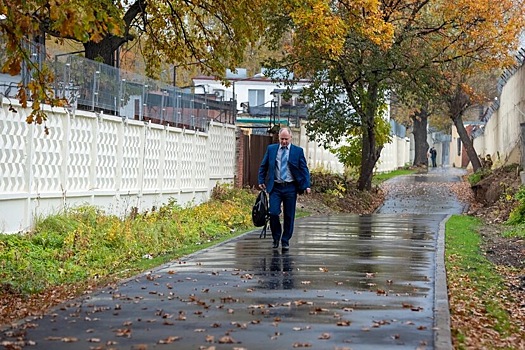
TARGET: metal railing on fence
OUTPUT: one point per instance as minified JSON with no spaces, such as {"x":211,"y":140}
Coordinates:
{"x":94,"y":86}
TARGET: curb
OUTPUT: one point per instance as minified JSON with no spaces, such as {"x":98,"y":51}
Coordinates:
{"x":442,"y":334}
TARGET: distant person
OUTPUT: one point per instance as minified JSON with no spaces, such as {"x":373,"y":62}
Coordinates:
{"x":487,"y":163}
{"x":433,"y":156}
{"x":283,"y":173}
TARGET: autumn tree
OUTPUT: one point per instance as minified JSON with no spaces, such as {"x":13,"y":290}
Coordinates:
{"x":327,"y":45}
{"x":480,"y":38}
{"x":355,"y":58}
{"x":357,"y":52}
{"x":22,"y":35}
{"x":213,"y":34}
{"x":463,"y":59}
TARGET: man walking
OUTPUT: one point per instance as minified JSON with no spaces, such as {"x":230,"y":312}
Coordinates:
{"x":433,"y":155}
{"x":283,"y":173}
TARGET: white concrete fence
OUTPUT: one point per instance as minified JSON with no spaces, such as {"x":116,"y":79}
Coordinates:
{"x":110,"y":162}
{"x":501,"y":137}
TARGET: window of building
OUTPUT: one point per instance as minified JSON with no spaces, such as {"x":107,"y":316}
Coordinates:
{"x":255,"y":97}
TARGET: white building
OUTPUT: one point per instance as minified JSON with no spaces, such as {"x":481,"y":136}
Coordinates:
{"x":257,"y":93}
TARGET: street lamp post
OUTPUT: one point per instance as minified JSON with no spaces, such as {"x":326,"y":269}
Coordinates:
{"x":96,"y":76}
{"x":234,"y":102}
{"x":144,"y":101}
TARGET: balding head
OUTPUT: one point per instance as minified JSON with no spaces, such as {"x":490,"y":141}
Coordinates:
{"x":285,"y":137}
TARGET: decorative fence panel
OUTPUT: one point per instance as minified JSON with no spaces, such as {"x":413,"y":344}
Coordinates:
{"x":13,"y":158}
{"x":80,"y":146}
{"x":152,"y":157}
{"x":107,"y":161}
{"x":171,"y":160}
{"x":47,"y":159}
{"x":131,"y":154}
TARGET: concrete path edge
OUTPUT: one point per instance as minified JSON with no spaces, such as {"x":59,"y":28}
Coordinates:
{"x":442,"y":334}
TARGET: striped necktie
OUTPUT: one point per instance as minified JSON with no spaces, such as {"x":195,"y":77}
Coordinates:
{"x":284,"y":159}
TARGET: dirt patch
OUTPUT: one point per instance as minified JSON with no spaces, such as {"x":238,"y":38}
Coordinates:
{"x":333,"y":193}
{"x":509,"y":252}
{"x":493,"y":195}
{"x":354,"y":201}
{"x":493,"y":202}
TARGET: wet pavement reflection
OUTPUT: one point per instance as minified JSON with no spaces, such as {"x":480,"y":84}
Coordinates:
{"x":348,"y":282}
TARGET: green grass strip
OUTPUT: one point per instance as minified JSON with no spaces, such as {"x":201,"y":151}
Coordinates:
{"x":382,"y":177}
{"x":466,"y":262}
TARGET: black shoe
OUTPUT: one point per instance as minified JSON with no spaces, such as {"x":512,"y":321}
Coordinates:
{"x":275,"y":244}
{"x":286,"y":246}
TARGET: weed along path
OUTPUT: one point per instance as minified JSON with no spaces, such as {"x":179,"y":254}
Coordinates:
{"x":347,"y":282}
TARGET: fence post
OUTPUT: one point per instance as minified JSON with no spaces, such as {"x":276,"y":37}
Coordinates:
{"x":522,"y":150}
{"x":28,"y":215}
{"x":65,"y":150}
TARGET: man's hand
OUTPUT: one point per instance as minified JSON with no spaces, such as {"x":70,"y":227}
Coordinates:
{"x":262,"y":187}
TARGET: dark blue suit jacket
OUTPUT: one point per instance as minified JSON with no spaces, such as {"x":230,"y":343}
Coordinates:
{"x":296,"y":163}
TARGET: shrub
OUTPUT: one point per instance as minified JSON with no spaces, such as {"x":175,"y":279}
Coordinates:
{"x":324,"y":182}
{"x":479,"y":175}
{"x":517,"y":215}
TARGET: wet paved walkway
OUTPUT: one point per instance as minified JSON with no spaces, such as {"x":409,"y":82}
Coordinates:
{"x":348,"y":282}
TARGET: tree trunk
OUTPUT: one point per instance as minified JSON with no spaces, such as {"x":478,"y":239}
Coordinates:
{"x":467,"y":143}
{"x":419,"y":123}
{"x":104,"y":51}
{"x":458,"y":104}
{"x":369,"y":151}
{"x":368,"y":163}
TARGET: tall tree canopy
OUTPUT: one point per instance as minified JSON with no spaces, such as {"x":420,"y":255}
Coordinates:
{"x":364,"y":49}
{"x":23,"y":25}
{"x":213,"y":33}
{"x":481,"y":39}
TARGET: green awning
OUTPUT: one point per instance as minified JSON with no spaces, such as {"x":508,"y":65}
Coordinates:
{"x":262,"y":121}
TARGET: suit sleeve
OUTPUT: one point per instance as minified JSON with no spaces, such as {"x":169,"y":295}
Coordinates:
{"x":303,"y":167}
{"x":299,"y":169}
{"x":263,"y":168}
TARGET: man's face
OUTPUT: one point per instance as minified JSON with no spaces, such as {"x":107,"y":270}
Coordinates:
{"x":284,"y":138}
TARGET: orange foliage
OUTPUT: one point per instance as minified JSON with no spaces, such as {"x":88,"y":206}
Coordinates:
{"x":21,"y":25}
